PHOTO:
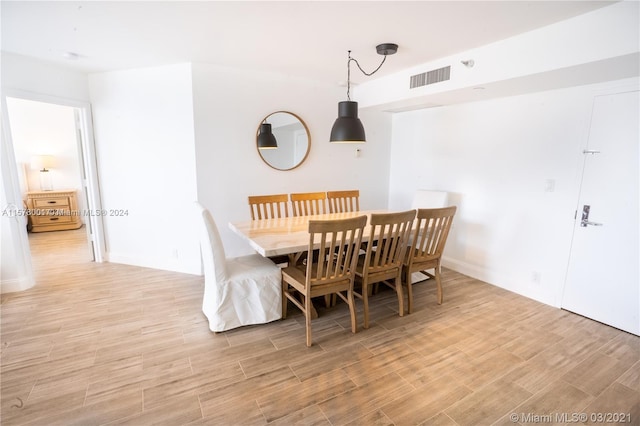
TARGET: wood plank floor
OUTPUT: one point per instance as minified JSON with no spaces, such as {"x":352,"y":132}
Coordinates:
{"x":97,"y":344}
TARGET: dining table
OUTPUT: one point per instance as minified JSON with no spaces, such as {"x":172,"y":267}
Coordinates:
{"x":289,"y":235}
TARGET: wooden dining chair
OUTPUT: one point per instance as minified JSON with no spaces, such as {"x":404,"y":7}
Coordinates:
{"x":269,"y":206}
{"x":427,"y":244}
{"x":382,"y":262}
{"x":332,"y":273}
{"x":343,"y":201}
{"x":309,"y":203}
{"x":428,"y":199}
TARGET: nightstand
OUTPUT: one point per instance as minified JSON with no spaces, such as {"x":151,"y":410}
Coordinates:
{"x":53,"y":210}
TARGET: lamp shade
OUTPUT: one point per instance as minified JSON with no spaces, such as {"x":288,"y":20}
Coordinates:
{"x":266,"y":139}
{"x":347,"y":127}
{"x":43,"y":162}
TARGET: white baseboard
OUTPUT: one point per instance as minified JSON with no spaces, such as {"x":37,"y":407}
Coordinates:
{"x":497,"y":279}
{"x":473,"y":271}
{"x":167,"y":264}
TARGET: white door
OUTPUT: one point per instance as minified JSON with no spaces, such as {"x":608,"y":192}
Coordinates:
{"x":602,"y":279}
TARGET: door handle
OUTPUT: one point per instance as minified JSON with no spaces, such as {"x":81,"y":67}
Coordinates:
{"x":585,"y":217}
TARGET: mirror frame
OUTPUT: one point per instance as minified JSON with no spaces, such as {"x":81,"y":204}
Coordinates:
{"x":306,"y":129}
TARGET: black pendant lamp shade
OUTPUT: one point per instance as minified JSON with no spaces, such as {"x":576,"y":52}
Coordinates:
{"x":347,"y":127}
{"x":266,"y":139}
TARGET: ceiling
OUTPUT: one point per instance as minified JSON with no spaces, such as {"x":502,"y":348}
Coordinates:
{"x":297,"y":38}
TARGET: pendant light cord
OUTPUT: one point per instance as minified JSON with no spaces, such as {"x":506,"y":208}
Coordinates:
{"x":363,"y":72}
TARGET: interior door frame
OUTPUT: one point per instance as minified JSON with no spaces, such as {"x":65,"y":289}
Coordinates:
{"x":91,"y":188}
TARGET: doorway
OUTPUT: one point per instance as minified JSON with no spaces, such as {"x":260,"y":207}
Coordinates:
{"x":602,"y":280}
{"x":61,"y":129}
{"x":47,"y":133}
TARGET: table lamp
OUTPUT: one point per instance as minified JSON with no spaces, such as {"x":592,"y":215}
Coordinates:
{"x":43,"y":163}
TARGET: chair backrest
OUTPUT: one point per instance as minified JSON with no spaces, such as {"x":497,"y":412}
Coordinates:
{"x":211,"y":248}
{"x":309,"y":203}
{"x":425,"y":199}
{"x":344,"y":201}
{"x":430,"y":235}
{"x":338,"y":252}
{"x":388,"y":240}
{"x":269,"y":206}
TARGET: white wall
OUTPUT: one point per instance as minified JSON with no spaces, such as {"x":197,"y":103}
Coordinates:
{"x":143,"y":125}
{"x":228,"y":107}
{"x":499,"y":159}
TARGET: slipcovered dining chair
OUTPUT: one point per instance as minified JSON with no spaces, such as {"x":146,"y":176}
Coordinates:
{"x":237,"y":291}
{"x":268,"y":206}
{"x":309,"y":203}
{"x":333,"y":273}
{"x":382,"y":262}
{"x":344,"y":201}
{"x":425,"y":252}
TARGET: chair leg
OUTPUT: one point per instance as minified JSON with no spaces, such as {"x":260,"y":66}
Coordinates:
{"x":407,"y":279}
{"x":352,"y":311}
{"x":439,"y":284}
{"x":284,"y":299}
{"x":365,"y":301}
{"x":400,"y":295}
{"x":307,"y":318}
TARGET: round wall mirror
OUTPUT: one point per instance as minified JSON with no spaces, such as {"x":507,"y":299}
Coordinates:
{"x":290,"y":135}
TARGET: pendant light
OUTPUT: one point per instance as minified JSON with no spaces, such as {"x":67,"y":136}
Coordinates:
{"x":266,"y":139}
{"x":348,"y":127}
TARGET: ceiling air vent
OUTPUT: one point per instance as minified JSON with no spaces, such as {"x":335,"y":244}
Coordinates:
{"x":430,"y":77}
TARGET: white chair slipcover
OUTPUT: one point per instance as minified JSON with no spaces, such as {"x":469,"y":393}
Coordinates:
{"x":237,"y":291}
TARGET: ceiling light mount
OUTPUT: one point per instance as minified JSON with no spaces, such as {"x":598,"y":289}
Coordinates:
{"x":348,"y":128}
{"x":387,"y":49}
